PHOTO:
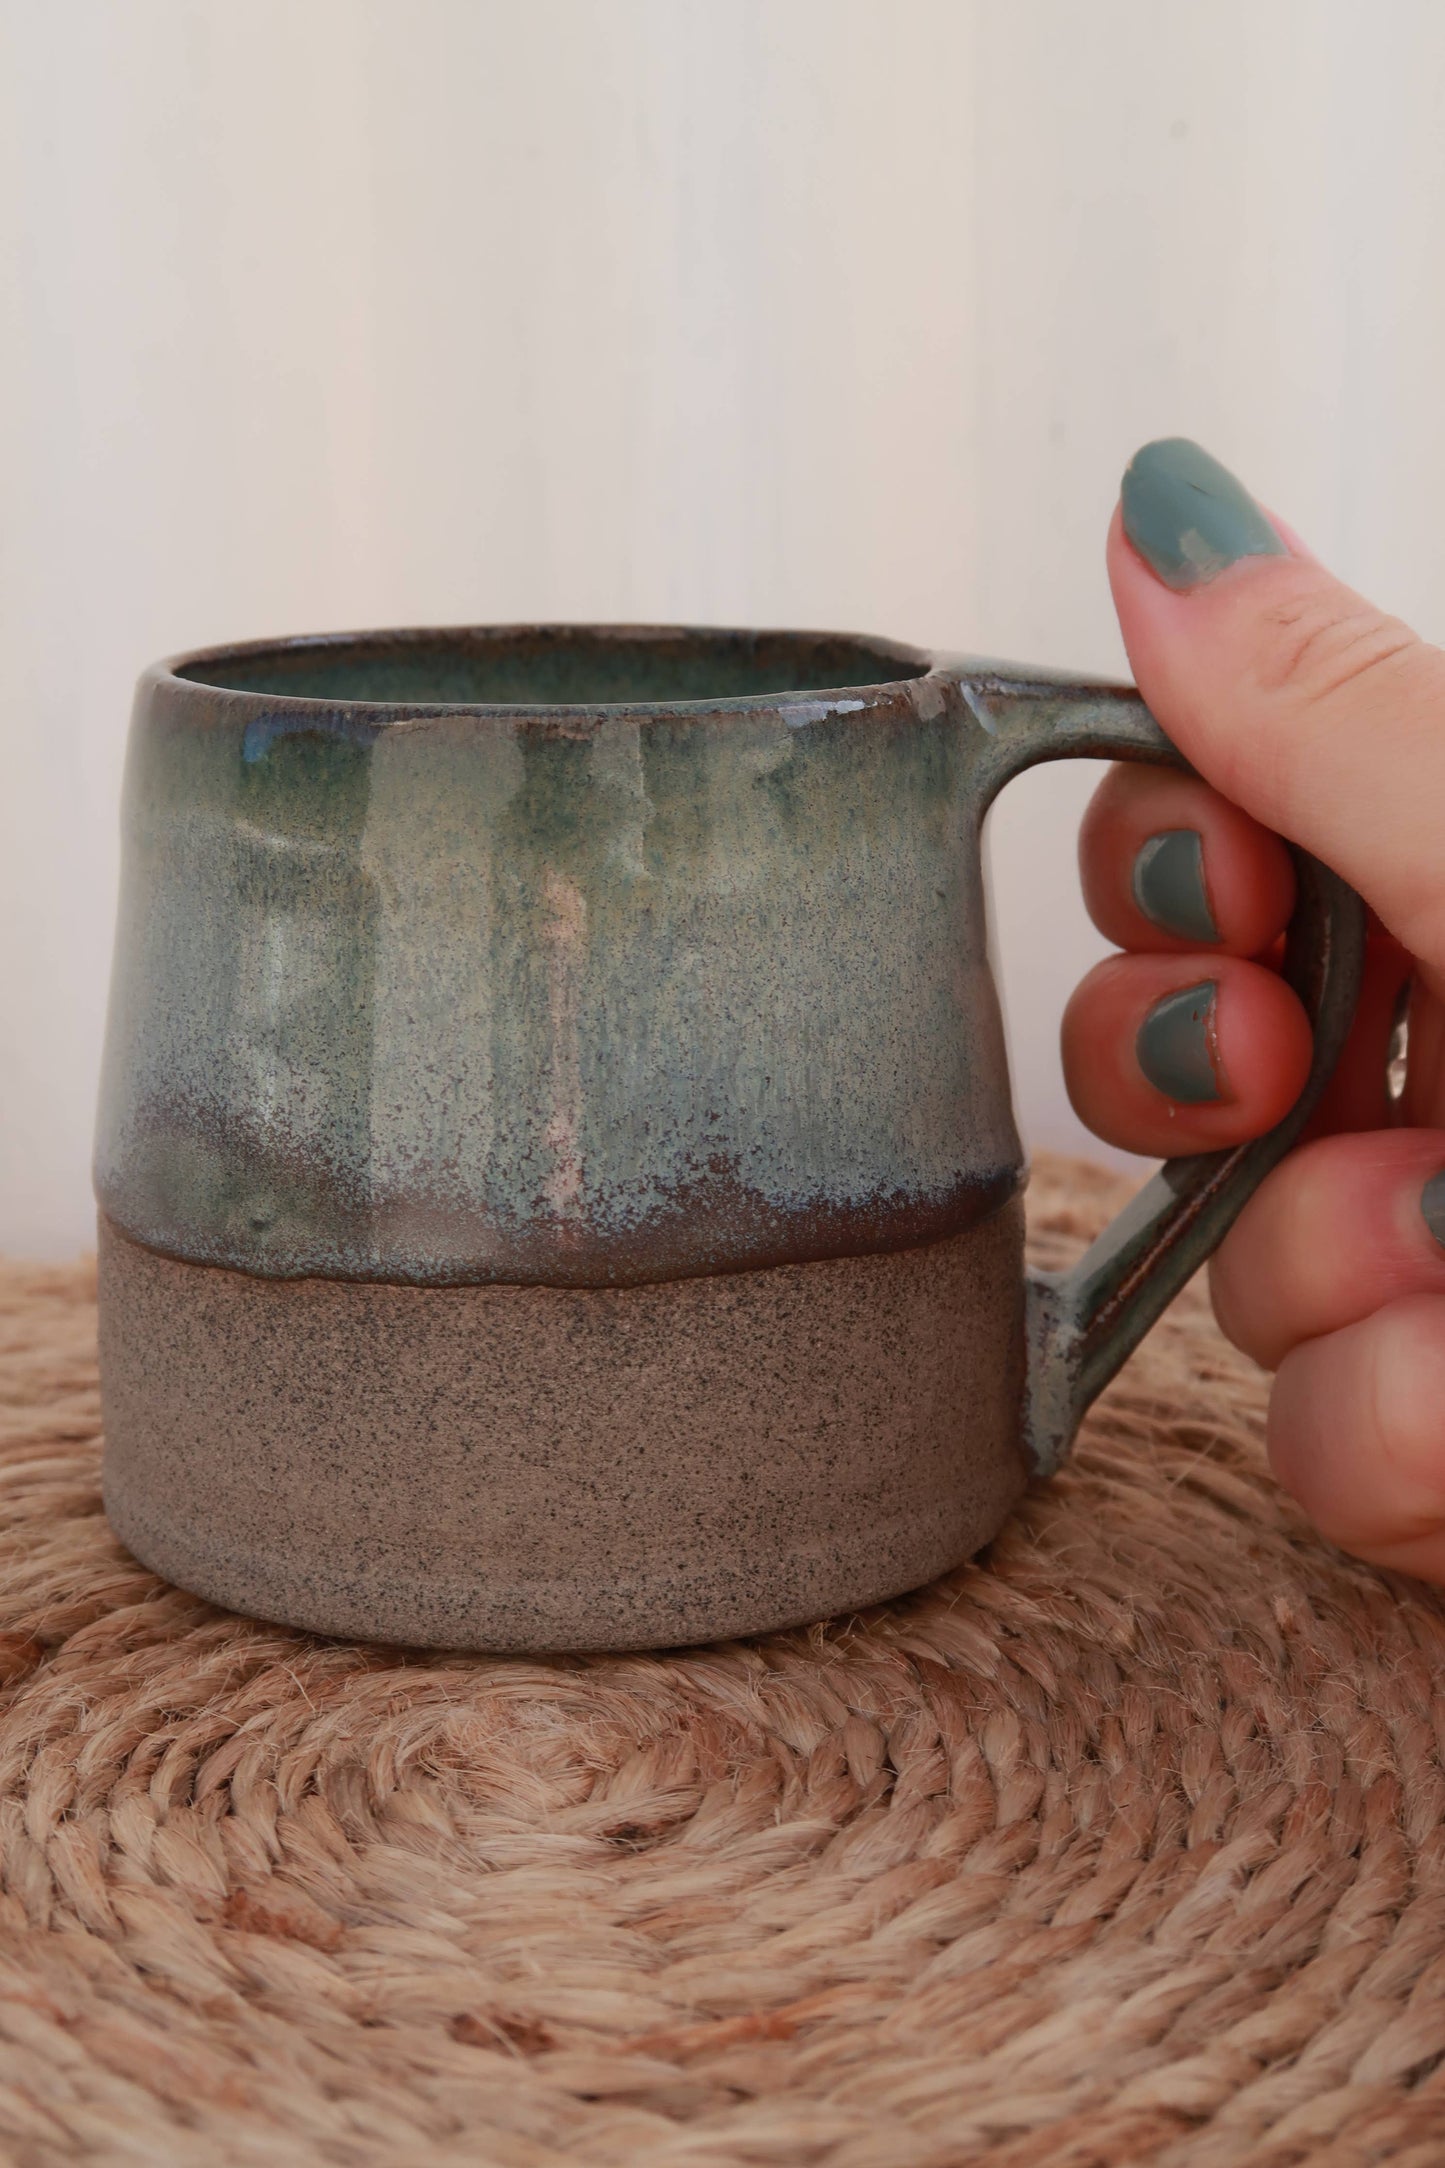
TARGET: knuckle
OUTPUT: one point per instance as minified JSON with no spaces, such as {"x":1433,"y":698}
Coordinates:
{"x":1235,"y":1321}
{"x":1312,"y":648}
{"x":1404,"y":1406}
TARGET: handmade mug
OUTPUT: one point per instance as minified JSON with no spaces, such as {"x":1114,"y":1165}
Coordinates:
{"x":557,"y":1178}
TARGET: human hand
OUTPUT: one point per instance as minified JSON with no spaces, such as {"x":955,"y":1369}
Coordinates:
{"x":1306,"y":712}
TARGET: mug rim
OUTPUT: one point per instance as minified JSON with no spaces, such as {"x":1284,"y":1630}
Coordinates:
{"x":181,"y":673}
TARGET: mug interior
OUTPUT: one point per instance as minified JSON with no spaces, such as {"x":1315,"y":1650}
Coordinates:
{"x":555,"y":665}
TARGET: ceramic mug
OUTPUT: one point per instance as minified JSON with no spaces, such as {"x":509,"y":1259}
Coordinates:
{"x":558,"y":1185}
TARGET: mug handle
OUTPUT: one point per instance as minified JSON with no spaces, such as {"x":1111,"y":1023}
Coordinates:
{"x":1082,"y":1324}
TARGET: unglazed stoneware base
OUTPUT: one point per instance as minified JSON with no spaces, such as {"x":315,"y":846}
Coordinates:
{"x":513,"y":1467}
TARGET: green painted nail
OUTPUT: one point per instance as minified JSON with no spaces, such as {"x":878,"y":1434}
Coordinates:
{"x":1175,"y":1046}
{"x":1169,"y":884}
{"x":1432,"y":1204}
{"x":1188,"y":517}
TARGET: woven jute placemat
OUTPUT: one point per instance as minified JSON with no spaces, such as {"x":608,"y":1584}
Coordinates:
{"x":1122,"y":1844}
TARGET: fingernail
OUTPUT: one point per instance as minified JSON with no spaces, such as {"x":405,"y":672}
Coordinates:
{"x":1432,"y":1204}
{"x":1175,"y":1046}
{"x":1188,"y":517}
{"x":1169,"y":884}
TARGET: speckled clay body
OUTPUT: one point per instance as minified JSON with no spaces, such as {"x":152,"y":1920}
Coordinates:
{"x":557,"y":1174}
{"x":561,"y":1467}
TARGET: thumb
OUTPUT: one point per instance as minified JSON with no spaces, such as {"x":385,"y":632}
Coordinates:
{"x":1292,"y":695}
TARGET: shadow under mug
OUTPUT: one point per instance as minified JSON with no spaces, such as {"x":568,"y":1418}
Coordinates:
{"x":557,"y":1176}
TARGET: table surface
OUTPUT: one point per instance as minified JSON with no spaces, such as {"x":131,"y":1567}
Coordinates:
{"x":1121,"y":1844}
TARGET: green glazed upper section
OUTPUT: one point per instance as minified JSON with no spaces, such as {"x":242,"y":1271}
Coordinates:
{"x":552,"y":955}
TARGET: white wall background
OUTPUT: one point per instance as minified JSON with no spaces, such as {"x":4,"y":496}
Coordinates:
{"x":838,"y":312}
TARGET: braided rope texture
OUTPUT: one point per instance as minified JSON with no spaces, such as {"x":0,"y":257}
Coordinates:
{"x":1122,"y":1845}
